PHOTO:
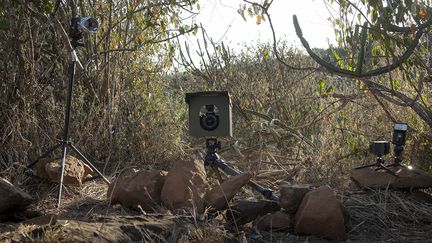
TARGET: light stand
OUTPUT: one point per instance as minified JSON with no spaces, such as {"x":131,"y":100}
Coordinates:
{"x":214,"y":160}
{"x":75,"y":35}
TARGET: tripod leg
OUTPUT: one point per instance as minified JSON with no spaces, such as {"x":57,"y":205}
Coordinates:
{"x":365,"y":166}
{"x":63,"y":160}
{"x":383,"y":167}
{"x":90,"y":164}
{"x":44,"y":155}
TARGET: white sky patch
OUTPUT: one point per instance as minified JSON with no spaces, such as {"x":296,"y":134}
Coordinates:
{"x":223,"y":23}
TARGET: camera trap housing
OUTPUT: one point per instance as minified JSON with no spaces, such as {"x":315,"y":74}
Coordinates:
{"x":209,"y":114}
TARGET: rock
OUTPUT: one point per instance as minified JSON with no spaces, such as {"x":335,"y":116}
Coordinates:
{"x":142,"y":189}
{"x":185,"y":186}
{"x":320,"y":213}
{"x":75,"y":172}
{"x":420,"y":196}
{"x":12,"y":198}
{"x":275,"y":221}
{"x":49,"y":219}
{"x":405,"y":179}
{"x":292,"y":195}
{"x":245,"y":211}
{"x":218,"y":197}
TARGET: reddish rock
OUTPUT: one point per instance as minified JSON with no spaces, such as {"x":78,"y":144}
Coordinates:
{"x":218,"y":197}
{"x":12,"y":198}
{"x":184,"y":186}
{"x":142,"y":189}
{"x":275,"y":221}
{"x":75,"y":173}
{"x":406,"y":178}
{"x":245,"y":211}
{"x":320,"y":213}
{"x":292,"y":195}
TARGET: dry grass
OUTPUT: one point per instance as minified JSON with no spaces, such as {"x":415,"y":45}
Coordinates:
{"x":388,"y":215}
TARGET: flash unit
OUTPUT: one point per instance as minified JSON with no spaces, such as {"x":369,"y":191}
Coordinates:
{"x":399,"y":133}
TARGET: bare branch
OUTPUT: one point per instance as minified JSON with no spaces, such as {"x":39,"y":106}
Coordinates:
{"x":347,"y":73}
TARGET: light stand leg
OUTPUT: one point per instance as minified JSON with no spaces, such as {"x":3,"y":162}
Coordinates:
{"x":60,"y":186}
{"x":65,"y":141}
{"x":89,"y":164}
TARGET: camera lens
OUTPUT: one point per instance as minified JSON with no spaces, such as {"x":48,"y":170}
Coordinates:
{"x":209,"y":121}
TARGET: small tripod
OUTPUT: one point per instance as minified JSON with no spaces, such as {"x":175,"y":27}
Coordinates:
{"x":75,"y":35}
{"x":379,"y":164}
{"x":379,"y":148}
{"x":214,"y":160}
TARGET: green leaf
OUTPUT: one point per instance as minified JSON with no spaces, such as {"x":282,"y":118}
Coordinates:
{"x":321,"y":85}
{"x":242,"y":14}
{"x":329,"y":90}
{"x":395,"y":83}
{"x":266,"y":53}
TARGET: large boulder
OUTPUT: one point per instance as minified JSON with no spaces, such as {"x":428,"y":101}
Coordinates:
{"x":292,"y":195}
{"x":275,"y":221}
{"x":75,"y":171}
{"x":12,"y":198}
{"x":141,"y":189}
{"x":184,"y":186}
{"x":405,"y":178}
{"x":245,"y":211}
{"x":320,"y":213}
{"x":218,"y":197}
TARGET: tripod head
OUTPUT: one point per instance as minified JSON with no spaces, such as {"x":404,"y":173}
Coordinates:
{"x":212,"y":145}
{"x":77,"y":26}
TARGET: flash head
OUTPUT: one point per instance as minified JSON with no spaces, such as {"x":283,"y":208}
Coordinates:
{"x":399,"y":133}
{"x":88,"y":24}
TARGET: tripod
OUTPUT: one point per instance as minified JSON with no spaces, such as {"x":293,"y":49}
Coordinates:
{"x":75,"y":35}
{"x":214,"y":160}
{"x":379,"y":164}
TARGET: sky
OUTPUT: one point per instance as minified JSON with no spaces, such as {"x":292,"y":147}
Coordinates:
{"x":223,"y":23}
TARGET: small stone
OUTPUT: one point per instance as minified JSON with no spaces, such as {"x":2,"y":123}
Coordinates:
{"x":275,"y":221}
{"x":320,"y":213}
{"x":75,"y":171}
{"x":218,"y":197}
{"x":292,"y":195}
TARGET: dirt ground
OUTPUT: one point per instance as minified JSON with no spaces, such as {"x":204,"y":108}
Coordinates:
{"x":86,"y":216}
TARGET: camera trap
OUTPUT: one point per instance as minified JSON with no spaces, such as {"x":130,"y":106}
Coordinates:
{"x":209,"y":114}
